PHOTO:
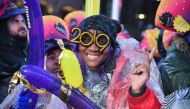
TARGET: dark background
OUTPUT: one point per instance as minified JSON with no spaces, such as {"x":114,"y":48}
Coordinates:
{"x":128,"y":15}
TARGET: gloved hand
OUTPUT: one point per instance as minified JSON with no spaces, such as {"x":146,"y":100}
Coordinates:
{"x":24,"y":102}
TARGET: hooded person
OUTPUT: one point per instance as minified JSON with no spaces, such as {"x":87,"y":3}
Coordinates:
{"x":13,"y":43}
{"x":174,"y":16}
{"x":104,"y":66}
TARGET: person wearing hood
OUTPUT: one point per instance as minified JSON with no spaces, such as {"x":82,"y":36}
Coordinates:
{"x":13,"y":44}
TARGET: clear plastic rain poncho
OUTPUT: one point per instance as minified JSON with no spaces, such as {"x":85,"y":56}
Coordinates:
{"x":120,"y":81}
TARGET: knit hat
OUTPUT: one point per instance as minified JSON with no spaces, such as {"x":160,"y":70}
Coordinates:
{"x":102,"y":23}
{"x":173,"y":15}
{"x":11,"y":10}
{"x":50,"y":44}
{"x":55,"y":28}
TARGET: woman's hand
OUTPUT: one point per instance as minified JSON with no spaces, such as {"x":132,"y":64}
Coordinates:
{"x":141,"y":72}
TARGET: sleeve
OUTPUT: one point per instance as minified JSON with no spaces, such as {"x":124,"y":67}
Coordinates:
{"x":12,"y":97}
{"x":176,"y":66}
{"x":146,"y":101}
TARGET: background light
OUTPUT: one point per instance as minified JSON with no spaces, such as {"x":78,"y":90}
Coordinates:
{"x":141,"y":16}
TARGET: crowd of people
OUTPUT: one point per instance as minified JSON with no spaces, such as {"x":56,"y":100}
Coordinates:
{"x":118,"y":72}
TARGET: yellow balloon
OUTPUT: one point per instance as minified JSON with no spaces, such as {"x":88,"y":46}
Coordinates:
{"x":92,"y":7}
{"x":71,"y":68}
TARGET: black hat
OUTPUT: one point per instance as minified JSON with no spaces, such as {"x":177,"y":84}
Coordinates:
{"x":52,"y":44}
{"x":100,"y":22}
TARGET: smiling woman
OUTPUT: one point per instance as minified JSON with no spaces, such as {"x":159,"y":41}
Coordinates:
{"x":100,"y":59}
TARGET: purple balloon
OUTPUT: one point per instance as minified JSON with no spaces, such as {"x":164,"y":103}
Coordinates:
{"x":40,"y":78}
{"x":36,"y":37}
{"x":36,"y":32}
